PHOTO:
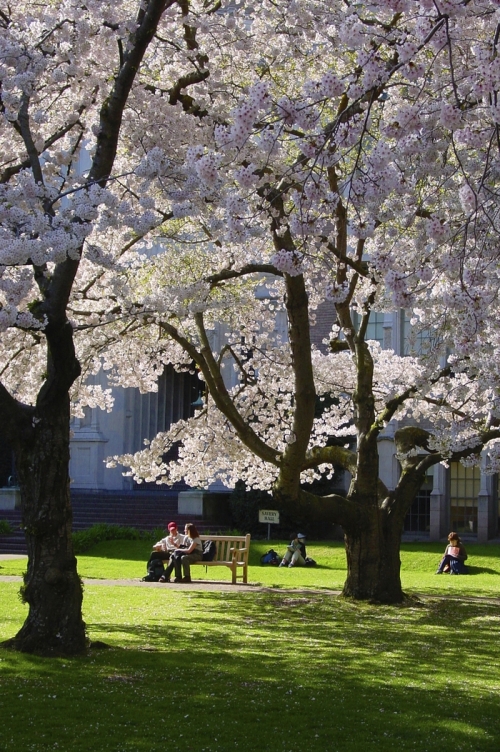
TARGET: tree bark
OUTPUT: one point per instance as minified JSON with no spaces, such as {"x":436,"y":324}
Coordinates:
{"x":40,"y":434}
{"x":40,"y":438}
{"x":52,"y":588}
{"x":373,"y":562}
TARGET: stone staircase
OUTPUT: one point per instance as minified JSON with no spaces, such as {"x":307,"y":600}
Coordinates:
{"x":15,"y":542}
{"x":144,"y":510}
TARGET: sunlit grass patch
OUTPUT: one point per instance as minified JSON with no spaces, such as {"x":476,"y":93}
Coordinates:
{"x":127,"y":560}
{"x":257,"y":670}
{"x":260,"y":670}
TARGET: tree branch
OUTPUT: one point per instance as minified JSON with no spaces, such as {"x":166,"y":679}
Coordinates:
{"x":207,"y":364}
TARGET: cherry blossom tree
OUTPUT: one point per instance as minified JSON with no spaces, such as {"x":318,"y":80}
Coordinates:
{"x":75,"y":77}
{"x":176,"y":169}
{"x":366,"y":178}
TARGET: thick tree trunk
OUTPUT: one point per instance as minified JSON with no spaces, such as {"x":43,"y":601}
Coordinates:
{"x":52,"y":587}
{"x":373,"y":562}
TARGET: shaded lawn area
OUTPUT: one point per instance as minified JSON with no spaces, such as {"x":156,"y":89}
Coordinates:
{"x":205,"y":671}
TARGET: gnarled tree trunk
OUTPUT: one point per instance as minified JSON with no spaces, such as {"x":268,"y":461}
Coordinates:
{"x":40,"y":438}
{"x":373,"y":562}
{"x":52,"y":588}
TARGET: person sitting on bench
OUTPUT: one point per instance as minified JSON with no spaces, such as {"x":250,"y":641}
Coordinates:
{"x":163,"y":549}
{"x":187,"y":553}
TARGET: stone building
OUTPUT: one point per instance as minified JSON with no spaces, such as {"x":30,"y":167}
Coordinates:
{"x":455,"y":498}
{"x":135,"y":417}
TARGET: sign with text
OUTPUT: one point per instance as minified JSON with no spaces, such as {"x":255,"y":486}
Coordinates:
{"x":271,"y":516}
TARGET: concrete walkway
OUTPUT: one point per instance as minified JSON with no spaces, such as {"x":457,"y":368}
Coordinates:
{"x":213,"y":585}
{"x":4,"y":557}
{"x":205,"y":585}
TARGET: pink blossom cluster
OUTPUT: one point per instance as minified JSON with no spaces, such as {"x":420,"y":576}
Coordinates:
{"x":244,"y":117}
{"x":406,"y":51}
{"x":450,"y":117}
{"x":246,"y":176}
{"x":468,"y":199}
{"x":337,"y":293}
{"x":207,"y":168}
{"x":287,"y":110}
{"x":436,"y":229}
{"x":288,"y":262}
{"x":330,"y":85}
{"x":154,"y":164}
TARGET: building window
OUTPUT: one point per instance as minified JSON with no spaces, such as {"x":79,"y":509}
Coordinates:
{"x":416,"y":341}
{"x":375,"y":328}
{"x":464,"y":490}
{"x":418,"y":517}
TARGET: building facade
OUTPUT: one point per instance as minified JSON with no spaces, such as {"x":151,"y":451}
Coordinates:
{"x":463,"y":499}
{"x":454,"y":498}
{"x":135,"y":417}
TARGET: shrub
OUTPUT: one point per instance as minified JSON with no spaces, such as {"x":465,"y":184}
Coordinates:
{"x":298,"y":517}
{"x":245,"y":506}
{"x":83,"y":540}
{"x":157,"y":534}
{"x":5,"y":527}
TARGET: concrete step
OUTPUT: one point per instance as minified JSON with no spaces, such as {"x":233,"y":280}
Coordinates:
{"x":14,"y":543}
{"x":144,"y":510}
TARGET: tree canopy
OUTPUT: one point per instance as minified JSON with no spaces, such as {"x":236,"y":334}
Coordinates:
{"x":175,"y":169}
{"x":358,"y":167}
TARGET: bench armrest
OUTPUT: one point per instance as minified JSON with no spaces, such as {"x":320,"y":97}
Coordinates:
{"x":235,"y":551}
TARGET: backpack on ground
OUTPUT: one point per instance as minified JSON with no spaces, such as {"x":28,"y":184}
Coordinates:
{"x":209,"y":550}
{"x":308,"y":562}
{"x":155,"y":571}
{"x":271,"y":557}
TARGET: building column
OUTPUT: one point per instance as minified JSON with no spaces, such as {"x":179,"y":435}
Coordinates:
{"x":87,"y":453}
{"x":438,"y":507}
{"x":485,"y":529}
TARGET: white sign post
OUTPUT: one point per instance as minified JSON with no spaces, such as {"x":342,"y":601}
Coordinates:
{"x":271,"y":516}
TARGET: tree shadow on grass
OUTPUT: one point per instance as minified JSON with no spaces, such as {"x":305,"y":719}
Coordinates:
{"x":253,"y":669}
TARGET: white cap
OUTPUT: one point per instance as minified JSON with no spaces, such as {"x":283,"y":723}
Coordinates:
{"x":299,"y":535}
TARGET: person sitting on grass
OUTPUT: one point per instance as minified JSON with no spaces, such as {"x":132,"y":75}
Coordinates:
{"x":295,"y":554}
{"x":454,"y":557}
{"x":162,"y":551}
{"x":187,"y":553}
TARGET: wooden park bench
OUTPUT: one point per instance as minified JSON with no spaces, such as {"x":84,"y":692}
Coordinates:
{"x":232,"y":551}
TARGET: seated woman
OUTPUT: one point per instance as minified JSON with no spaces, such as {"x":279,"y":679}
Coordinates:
{"x":454,"y":557}
{"x":190,"y":551}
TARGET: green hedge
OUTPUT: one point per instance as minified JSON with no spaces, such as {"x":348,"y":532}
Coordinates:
{"x":5,"y":527}
{"x":83,"y":540}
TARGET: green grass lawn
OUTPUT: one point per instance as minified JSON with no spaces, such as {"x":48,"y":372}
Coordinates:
{"x":120,"y":559}
{"x":266,"y":670}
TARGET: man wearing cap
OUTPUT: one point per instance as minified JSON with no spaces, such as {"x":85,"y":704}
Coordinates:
{"x":163,"y":548}
{"x":296,"y":552}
